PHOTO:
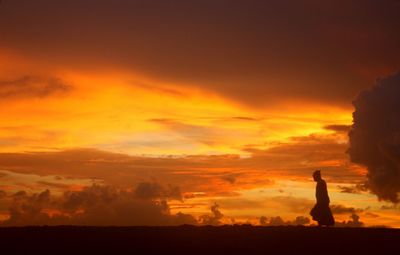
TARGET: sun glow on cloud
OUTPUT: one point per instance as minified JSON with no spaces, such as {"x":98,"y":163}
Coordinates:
{"x":180,"y":129}
{"x":119,"y":112}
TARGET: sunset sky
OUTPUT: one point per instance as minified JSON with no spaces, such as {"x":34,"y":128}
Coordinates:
{"x":164,"y":112}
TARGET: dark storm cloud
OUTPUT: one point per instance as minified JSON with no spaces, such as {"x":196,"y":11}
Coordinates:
{"x":31,"y":86}
{"x":375,"y":136}
{"x":252,"y":51}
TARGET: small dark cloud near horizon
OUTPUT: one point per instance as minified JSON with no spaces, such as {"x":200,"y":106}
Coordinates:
{"x":375,"y":136}
{"x":354,"y":222}
{"x":213,"y":219}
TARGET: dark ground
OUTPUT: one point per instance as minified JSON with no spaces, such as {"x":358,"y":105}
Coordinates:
{"x":198,"y":240}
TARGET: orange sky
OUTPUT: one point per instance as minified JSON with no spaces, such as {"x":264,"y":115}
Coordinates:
{"x":237,"y":109}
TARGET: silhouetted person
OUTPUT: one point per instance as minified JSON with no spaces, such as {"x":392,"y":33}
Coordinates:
{"x":321,"y":211}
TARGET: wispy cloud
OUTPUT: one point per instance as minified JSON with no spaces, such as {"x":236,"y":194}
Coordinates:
{"x":32,"y":87}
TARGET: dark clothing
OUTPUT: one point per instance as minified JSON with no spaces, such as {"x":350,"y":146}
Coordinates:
{"x":321,"y":211}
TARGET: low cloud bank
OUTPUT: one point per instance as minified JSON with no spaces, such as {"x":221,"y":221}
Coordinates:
{"x":278,"y":221}
{"x":147,"y":204}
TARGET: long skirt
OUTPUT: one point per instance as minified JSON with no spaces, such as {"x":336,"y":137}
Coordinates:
{"x":322,"y":214}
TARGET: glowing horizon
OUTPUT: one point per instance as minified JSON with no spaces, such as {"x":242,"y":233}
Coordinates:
{"x":232,"y":114}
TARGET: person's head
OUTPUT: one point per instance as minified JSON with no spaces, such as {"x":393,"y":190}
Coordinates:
{"x":317,"y":175}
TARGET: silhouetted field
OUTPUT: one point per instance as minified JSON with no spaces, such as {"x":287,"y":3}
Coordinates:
{"x":198,"y":240}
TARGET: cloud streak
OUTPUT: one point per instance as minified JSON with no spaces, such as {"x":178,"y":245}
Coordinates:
{"x":32,"y":87}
